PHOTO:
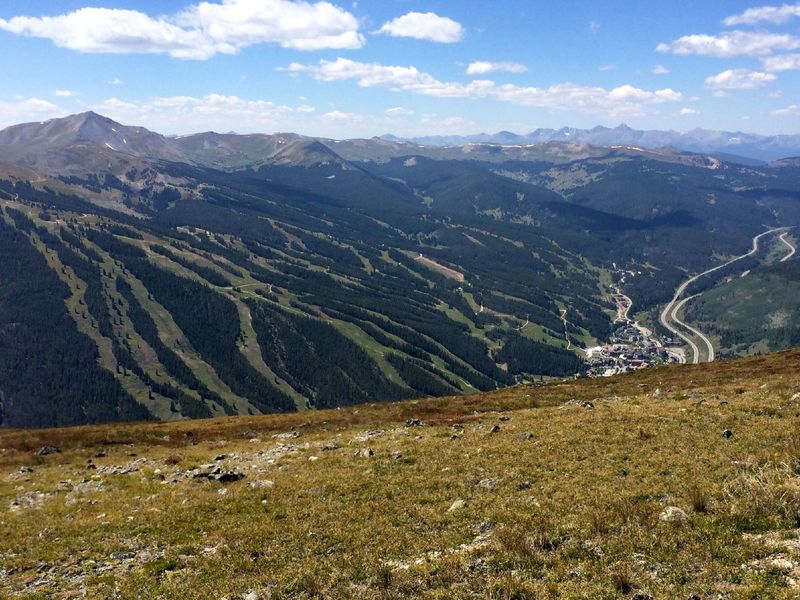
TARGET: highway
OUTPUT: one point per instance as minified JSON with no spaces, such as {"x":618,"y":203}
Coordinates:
{"x":792,"y":249}
{"x":675,"y":305}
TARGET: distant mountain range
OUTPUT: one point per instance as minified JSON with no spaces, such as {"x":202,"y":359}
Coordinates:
{"x":725,"y":144}
{"x":91,"y":143}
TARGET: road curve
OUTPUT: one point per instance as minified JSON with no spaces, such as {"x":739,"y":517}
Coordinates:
{"x":673,"y":306}
{"x":709,"y":346}
{"x":792,"y":249}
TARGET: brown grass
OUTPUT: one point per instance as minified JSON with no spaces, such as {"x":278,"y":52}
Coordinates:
{"x":337,"y":524}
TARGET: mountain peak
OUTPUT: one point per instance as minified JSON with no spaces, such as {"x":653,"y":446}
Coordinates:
{"x":308,"y":153}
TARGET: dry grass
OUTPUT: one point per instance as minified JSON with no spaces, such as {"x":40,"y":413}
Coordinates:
{"x":561,"y":502}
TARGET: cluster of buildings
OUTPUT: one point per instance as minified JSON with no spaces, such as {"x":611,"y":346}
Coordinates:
{"x":631,"y":346}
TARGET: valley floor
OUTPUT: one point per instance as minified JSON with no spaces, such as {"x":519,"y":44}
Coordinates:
{"x":674,"y":482}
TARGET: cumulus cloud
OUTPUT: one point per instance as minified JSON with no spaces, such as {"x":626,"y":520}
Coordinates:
{"x":660,"y":70}
{"x":28,"y":110}
{"x":234,"y":24}
{"x":788,"y":111}
{"x":772,"y":14}
{"x":689,"y":111}
{"x":198,"y":32}
{"x":739,"y":79}
{"x":424,"y":26}
{"x":621,"y":100}
{"x":481,"y":67}
{"x":65,"y":93}
{"x":731,"y":43}
{"x":784,"y":62}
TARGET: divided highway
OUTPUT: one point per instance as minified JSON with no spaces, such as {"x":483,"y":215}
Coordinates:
{"x":669,"y":316}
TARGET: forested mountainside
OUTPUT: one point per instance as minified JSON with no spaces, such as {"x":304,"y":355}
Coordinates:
{"x":214,"y":275}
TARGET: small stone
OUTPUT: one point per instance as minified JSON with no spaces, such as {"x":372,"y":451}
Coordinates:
{"x":673,"y":514}
{"x":457,"y":505}
{"x":397,"y":455}
{"x":229,"y":476}
{"x":46,"y":450}
{"x":101,"y":454}
{"x":587,"y":404}
{"x":262,"y":484}
{"x":727,"y":434}
{"x":220,"y":457}
{"x":504,"y":418}
{"x":523,"y":485}
{"x":489,"y":483}
{"x":525,"y":437}
{"x":253,"y":596}
{"x":641,"y":596}
{"x":458,"y":426}
{"x":795,"y":398}
{"x":364,"y":453}
{"x":413,"y":423}
{"x":313,"y":458}
{"x":121,"y":556}
{"x":495,"y":429}
{"x":694,"y":596}
{"x":25,"y":470}
{"x":330,"y":446}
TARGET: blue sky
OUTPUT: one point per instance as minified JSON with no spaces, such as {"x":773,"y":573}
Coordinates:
{"x":352,"y":69}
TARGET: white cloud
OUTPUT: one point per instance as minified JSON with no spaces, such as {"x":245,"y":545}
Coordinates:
{"x":234,"y":24}
{"x":424,"y":26}
{"x":481,"y":67}
{"x":116,"y":81}
{"x":772,"y":14}
{"x":200,"y":31}
{"x":732,"y":43}
{"x":789,"y":111}
{"x":399,"y":111}
{"x":783,"y":62}
{"x":65,"y":93}
{"x":739,"y":79}
{"x":660,"y":70}
{"x":338,"y":115}
{"x":28,"y":110}
{"x":689,"y":111}
{"x":622,"y":100}
{"x":608,"y":67}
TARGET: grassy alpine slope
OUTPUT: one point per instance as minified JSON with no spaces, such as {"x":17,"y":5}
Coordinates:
{"x":624,"y":487}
